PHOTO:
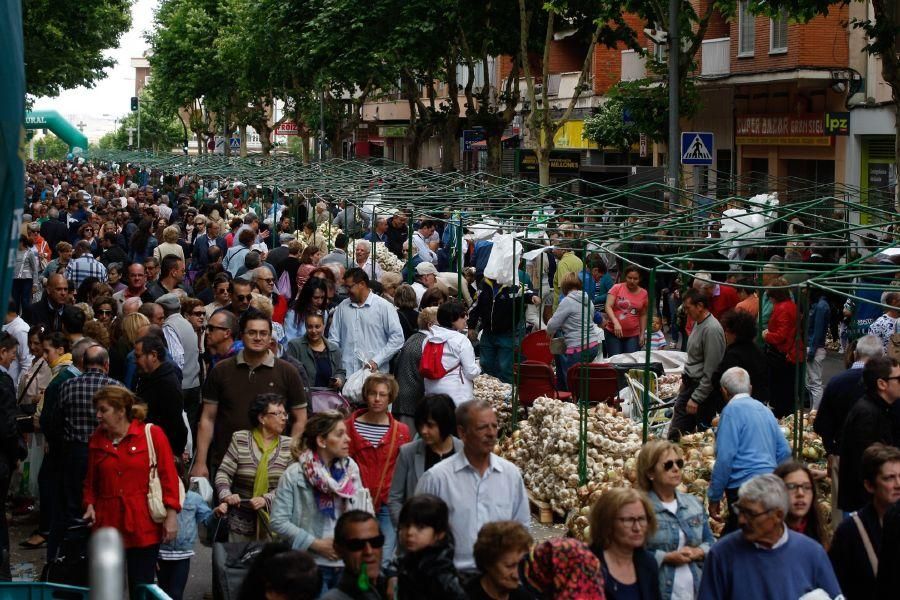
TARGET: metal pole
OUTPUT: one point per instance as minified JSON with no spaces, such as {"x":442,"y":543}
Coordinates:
{"x":645,"y":400}
{"x":139,"y":127}
{"x":107,"y":565}
{"x":674,"y":49}
{"x":322,"y":126}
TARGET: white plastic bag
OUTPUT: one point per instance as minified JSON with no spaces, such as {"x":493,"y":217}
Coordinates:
{"x":502,"y":265}
{"x":353,"y":387}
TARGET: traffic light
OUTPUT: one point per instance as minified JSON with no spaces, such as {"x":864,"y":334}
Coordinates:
{"x":134,"y":103}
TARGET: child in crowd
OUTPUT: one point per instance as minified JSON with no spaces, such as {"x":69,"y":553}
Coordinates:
{"x":658,"y":338}
{"x":425,"y":568}
{"x":174,"y":563}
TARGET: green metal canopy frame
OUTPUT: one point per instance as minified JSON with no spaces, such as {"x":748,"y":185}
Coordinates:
{"x":664,"y":231}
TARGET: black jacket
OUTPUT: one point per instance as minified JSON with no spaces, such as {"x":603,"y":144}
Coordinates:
{"x":114,"y":254}
{"x":889,"y":557}
{"x":840,"y":394}
{"x":429,"y":573}
{"x":54,"y":231}
{"x":397,"y":239}
{"x":748,"y":356}
{"x":42,"y":313}
{"x":645,"y":568}
{"x":276,"y":258}
{"x":9,"y":435}
{"x":849,"y":559}
{"x":497,"y":307}
{"x":161,"y":390}
{"x":870,"y":420}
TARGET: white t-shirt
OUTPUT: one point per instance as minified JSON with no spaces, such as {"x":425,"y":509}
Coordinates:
{"x":683,"y":585}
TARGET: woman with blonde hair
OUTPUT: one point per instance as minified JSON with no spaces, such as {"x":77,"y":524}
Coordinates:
{"x":621,"y":521}
{"x":121,"y":356}
{"x":315,"y":490}
{"x":683,"y":536}
{"x":169,"y":244}
{"x":117,"y":481}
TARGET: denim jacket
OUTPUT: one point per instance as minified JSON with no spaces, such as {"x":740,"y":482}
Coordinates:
{"x":694,"y":522}
{"x":194,"y":511}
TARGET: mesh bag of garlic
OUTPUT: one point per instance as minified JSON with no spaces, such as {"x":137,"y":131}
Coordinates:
{"x":387,"y":260}
{"x":499,"y":395}
{"x":545,"y":448}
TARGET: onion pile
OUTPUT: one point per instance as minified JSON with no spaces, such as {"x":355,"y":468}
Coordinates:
{"x":498,"y":394}
{"x":668,"y":385}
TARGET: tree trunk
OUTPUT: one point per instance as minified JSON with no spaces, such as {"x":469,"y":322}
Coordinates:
{"x":243,"y":130}
{"x":449,"y":144}
{"x":543,"y":155}
{"x":494,"y":153}
{"x":413,"y":148}
{"x":304,"y":148}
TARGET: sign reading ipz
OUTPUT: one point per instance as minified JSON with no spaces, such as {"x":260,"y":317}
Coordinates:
{"x":837,"y":123}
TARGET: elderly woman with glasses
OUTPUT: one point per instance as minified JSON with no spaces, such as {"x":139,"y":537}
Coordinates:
{"x":683,"y":536}
{"x":249,"y":472}
{"x":621,"y":522}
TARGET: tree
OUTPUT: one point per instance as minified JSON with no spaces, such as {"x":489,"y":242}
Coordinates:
{"x":647,"y":108}
{"x":593,"y":22}
{"x":65,"y":42}
{"x":160,"y":128}
{"x":50,"y":147}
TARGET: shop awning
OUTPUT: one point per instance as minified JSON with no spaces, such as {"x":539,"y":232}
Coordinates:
{"x":506,"y":141}
{"x":378,"y":141}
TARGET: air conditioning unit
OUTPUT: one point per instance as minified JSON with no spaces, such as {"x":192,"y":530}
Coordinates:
{"x":538,"y":89}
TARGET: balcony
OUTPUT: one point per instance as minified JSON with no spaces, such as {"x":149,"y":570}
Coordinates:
{"x":633,"y":66}
{"x":715,"y":58}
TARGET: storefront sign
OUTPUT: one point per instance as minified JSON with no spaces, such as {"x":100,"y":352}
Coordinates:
{"x":287,"y":128}
{"x":782,"y":130}
{"x":837,"y":123}
{"x":561,"y":163}
{"x":471,"y":136}
{"x":392,"y":131}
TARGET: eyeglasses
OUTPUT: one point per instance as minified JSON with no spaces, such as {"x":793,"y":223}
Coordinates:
{"x":243,"y":297}
{"x":104,"y":312}
{"x":889,"y":378}
{"x":633,"y":521}
{"x":280,"y":414}
{"x":358,"y":544}
{"x":669,"y":464}
{"x":749,"y":514}
{"x":793,"y":487}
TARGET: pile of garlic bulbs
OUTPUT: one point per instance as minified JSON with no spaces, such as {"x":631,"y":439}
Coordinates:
{"x":499,"y":395}
{"x":387,"y":260}
{"x":545,"y":448}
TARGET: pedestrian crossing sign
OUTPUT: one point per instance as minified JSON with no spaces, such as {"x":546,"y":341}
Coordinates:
{"x":696,"y":148}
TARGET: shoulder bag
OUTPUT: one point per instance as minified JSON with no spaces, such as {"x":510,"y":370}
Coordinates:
{"x":154,"y":492}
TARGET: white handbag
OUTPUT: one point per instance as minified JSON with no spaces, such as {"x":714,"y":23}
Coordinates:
{"x":361,"y":500}
{"x":154,"y":491}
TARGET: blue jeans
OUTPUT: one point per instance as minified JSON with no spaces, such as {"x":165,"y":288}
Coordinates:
{"x":565,"y":361}
{"x":390,"y":535}
{"x":330,"y":577}
{"x":625,"y":345}
{"x":172,"y":576}
{"x":497,"y":351}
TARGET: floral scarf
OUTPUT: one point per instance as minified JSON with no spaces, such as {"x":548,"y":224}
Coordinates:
{"x":328,"y":483}
{"x":565,"y":569}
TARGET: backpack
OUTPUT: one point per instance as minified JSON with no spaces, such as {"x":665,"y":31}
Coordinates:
{"x":431,"y":365}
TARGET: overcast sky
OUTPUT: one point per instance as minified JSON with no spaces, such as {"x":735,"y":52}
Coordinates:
{"x":110,"y":98}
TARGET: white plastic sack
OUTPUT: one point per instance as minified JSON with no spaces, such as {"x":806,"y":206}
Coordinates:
{"x":502,"y":266}
{"x":353,"y":387}
{"x":202,"y":486}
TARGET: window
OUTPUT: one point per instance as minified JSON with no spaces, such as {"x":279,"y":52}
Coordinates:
{"x":746,"y":29}
{"x":778,"y":34}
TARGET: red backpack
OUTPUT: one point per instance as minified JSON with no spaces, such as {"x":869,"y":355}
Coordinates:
{"x":431,"y":365}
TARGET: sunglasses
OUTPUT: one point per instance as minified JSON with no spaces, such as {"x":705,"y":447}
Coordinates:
{"x":242,"y":297}
{"x":357,"y":545}
{"x":198,"y":313}
{"x":669,"y":464}
{"x":104,"y":312}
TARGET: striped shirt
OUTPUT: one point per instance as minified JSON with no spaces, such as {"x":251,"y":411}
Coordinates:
{"x":371,"y":433}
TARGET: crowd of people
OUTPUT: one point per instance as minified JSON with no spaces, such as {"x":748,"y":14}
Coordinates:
{"x":158,"y":334}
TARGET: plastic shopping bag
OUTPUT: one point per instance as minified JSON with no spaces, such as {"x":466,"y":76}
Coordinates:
{"x":353,"y":387}
{"x":502,"y":266}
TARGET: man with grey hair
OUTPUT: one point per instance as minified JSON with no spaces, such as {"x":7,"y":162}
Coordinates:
{"x":722,"y":298}
{"x":839,"y":396}
{"x":362,"y":255}
{"x":477,"y":485}
{"x":749,"y":442}
{"x":765,"y":559}
{"x":264,"y":281}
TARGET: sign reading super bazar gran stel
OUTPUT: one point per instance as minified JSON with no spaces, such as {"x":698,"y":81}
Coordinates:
{"x":782,"y":130}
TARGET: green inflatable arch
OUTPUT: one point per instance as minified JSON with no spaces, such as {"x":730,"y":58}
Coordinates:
{"x":52,"y":120}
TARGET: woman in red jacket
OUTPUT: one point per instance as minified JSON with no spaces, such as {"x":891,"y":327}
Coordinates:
{"x":375,"y":440}
{"x":782,"y":352}
{"x":117,"y":482}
